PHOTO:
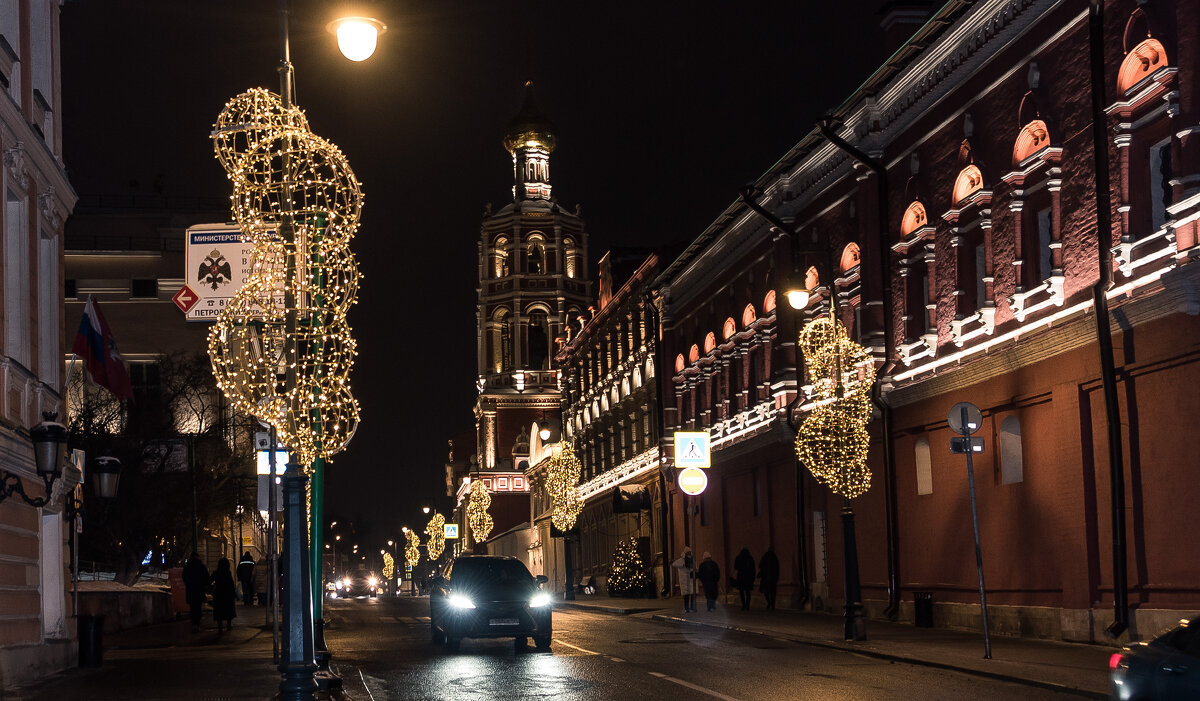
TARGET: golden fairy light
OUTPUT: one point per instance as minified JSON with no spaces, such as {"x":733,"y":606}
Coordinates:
{"x":412,"y":553}
{"x":562,"y":484}
{"x":389,"y":566}
{"x":478,"y":517}
{"x":833,"y":440}
{"x":436,"y":530}
{"x":297,"y":201}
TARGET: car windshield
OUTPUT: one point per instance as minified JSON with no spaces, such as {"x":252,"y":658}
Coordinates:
{"x":491,"y":575}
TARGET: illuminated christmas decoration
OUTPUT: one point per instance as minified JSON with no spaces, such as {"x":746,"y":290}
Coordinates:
{"x":412,"y":552}
{"x":627,"y":576}
{"x":389,"y":566}
{"x":281,"y":350}
{"x":562,"y":484}
{"x":436,"y":530}
{"x":478,"y":518}
{"x":833,"y":440}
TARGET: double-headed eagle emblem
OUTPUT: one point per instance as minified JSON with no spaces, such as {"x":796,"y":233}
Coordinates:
{"x":215,"y":270}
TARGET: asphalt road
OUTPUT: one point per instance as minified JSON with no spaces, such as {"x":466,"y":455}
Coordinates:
{"x":382,"y":650}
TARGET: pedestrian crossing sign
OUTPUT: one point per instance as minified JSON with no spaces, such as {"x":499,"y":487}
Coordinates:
{"x":691,"y":449}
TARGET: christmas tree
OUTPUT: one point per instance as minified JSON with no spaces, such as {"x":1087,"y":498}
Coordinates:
{"x":628,"y":574}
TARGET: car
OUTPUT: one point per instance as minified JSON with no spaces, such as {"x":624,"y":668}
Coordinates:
{"x":358,"y":583}
{"x":1167,"y":667}
{"x":490,"y":596}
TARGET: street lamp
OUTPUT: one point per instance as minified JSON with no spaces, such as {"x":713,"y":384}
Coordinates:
{"x":357,"y":36}
{"x":49,"y":449}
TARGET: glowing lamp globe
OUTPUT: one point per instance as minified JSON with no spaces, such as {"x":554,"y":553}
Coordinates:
{"x":357,"y":37}
{"x":797,"y":299}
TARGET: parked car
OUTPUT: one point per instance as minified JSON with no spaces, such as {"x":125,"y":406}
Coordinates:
{"x":360,"y":583}
{"x":488,"y":596}
{"x":1166,"y":668}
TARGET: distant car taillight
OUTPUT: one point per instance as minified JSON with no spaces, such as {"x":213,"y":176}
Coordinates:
{"x":1115,"y":660}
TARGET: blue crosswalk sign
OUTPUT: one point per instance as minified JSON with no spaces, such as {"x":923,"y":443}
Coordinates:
{"x":691,"y":449}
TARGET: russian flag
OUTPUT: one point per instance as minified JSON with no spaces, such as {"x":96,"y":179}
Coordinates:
{"x":94,"y":343}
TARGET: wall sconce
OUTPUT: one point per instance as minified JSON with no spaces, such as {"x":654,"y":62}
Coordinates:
{"x":49,"y":449}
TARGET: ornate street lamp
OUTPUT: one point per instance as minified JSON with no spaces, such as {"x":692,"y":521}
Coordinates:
{"x":357,"y":37}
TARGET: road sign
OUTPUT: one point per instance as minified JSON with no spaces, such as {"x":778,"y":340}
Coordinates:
{"x":691,"y":449}
{"x":959,"y":445}
{"x":185,"y":299}
{"x":216,"y":264}
{"x":692,"y":480}
{"x":450,"y":531}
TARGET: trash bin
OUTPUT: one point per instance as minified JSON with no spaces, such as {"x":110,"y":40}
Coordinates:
{"x":923,"y":609}
{"x":90,"y":631}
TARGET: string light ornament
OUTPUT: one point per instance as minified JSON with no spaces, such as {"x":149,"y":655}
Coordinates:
{"x":478,"y":517}
{"x":389,"y":566}
{"x":628,"y":573}
{"x":562,"y":484}
{"x":436,"y":530}
{"x":412,"y":552}
{"x":833,"y":441}
{"x":298,"y":203}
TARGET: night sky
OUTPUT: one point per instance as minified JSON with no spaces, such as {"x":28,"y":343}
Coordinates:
{"x":663,"y":111}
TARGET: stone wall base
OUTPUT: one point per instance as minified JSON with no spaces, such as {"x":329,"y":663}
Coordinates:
{"x":28,"y":663}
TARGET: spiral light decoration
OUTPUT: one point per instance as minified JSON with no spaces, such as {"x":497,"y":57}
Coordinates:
{"x":833,"y":440}
{"x":297,"y":201}
{"x":389,"y":566}
{"x":436,"y":530}
{"x":478,"y":517}
{"x":412,"y":552}
{"x":562,"y":484}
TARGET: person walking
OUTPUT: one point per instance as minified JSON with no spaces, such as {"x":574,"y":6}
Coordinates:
{"x":245,"y":575}
{"x":685,"y":574}
{"x":709,"y":574}
{"x":224,"y":595}
{"x":768,"y":572}
{"x":743,"y":567}
{"x":195,"y":582}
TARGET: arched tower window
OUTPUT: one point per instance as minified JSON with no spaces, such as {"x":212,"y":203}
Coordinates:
{"x":569,"y":253}
{"x":500,"y":257}
{"x":1012,"y":462}
{"x":924,"y":464}
{"x":539,"y":340}
{"x":535,"y":256}
{"x":501,"y":333}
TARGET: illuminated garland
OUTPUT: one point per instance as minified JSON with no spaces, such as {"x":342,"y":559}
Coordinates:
{"x":389,"y":566}
{"x":477,"y":511}
{"x":297,"y":201}
{"x":833,"y":440}
{"x":562,"y":484}
{"x":628,"y":573}
{"x":436,"y":530}
{"x":412,"y":552}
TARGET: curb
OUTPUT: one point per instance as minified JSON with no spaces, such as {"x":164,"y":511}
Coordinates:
{"x":834,"y":645}
{"x":612,"y":610}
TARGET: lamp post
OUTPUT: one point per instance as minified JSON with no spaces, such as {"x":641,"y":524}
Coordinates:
{"x":799,"y":294}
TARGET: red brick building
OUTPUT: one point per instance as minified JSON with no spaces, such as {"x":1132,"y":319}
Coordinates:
{"x":956,"y":191}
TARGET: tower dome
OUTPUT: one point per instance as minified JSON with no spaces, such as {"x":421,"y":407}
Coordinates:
{"x":530,"y":128}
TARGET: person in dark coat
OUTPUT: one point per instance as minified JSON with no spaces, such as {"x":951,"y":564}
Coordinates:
{"x":743,"y":567}
{"x":224,"y":595}
{"x":709,"y":575}
{"x":768,"y":572}
{"x":245,"y":575}
{"x":195,"y":582}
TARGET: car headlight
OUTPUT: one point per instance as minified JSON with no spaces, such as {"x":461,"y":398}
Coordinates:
{"x":346,"y":582}
{"x":540,"y":599}
{"x":459,"y":601}
{"x":371,"y":581}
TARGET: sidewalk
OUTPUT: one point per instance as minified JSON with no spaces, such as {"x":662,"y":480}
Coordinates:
{"x":1066,"y":667}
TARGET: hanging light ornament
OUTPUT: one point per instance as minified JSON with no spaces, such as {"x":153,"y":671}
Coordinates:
{"x":297,"y":201}
{"x":436,"y":530}
{"x":833,"y":441}
{"x":562,"y":484}
{"x":412,"y":552}
{"x":389,"y":566}
{"x":478,"y":517}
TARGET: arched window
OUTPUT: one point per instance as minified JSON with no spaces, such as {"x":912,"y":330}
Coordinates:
{"x":850,"y":257}
{"x":769,"y":302}
{"x":914,"y":218}
{"x":637,"y":377}
{"x":569,"y":257}
{"x":969,"y":181}
{"x":710,"y":342}
{"x":500,"y":257}
{"x":539,"y":341}
{"x":535,"y":256}
{"x":924,"y":466}
{"x":748,"y":315}
{"x":729,"y":329}
{"x":1012,"y":463}
{"x":501,"y":327}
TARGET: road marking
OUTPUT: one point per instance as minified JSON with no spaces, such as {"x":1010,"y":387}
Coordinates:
{"x":576,"y":647}
{"x":694,"y":687}
{"x":364,"y":681}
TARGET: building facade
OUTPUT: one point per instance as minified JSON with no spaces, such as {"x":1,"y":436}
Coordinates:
{"x":35,"y":636}
{"x":950,"y":209}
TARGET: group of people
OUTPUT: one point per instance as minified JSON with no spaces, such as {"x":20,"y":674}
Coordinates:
{"x":708,"y":576}
{"x":197,"y":580}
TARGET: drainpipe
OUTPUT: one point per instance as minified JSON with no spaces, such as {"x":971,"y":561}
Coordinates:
{"x":665,"y":507}
{"x":1108,"y":373}
{"x":885,"y":411}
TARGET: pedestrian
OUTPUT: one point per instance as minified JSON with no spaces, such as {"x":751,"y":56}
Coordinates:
{"x":224,"y":595}
{"x":245,"y":575}
{"x":709,"y":574}
{"x":743,"y":567}
{"x":195,"y":582}
{"x":685,"y":574}
{"x":768,"y":572}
